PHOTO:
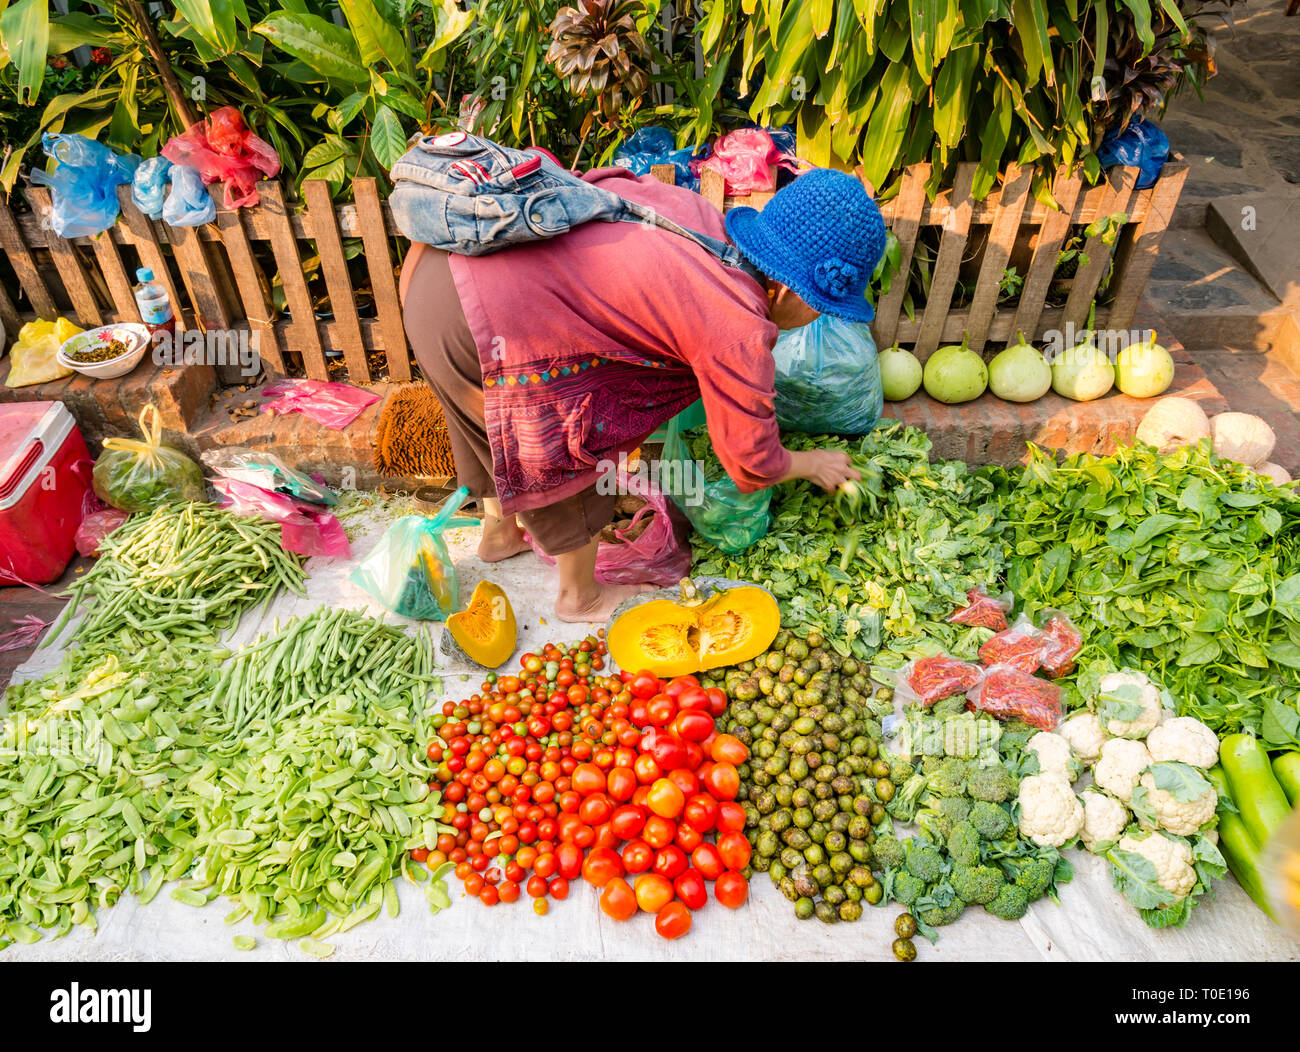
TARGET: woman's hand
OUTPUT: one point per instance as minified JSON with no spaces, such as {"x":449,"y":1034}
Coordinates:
{"x":828,"y":468}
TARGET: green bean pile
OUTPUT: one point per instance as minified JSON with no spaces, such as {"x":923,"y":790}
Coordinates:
{"x":182,"y":571}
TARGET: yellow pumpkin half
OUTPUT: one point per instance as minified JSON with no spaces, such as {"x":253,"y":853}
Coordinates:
{"x":675,"y":639}
{"x":485,"y":630}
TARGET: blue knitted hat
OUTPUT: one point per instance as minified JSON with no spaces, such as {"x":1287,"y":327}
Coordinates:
{"x":822,"y":236}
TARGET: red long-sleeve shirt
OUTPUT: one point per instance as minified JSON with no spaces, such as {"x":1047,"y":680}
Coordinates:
{"x":592,"y":340}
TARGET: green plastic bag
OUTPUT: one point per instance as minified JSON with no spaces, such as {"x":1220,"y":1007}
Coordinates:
{"x":140,"y":475}
{"x":720,"y":513}
{"x":410,"y":571}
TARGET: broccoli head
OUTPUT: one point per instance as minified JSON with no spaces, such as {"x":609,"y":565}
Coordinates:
{"x":948,"y":777}
{"x":1011,"y":903}
{"x":901,"y":768}
{"x":1015,"y":733}
{"x":937,"y":916}
{"x":978,"y":885}
{"x":989,"y":820}
{"x":1035,"y":874}
{"x":964,"y":844}
{"x":992,"y":782}
{"x":923,"y":860}
{"x":954,"y":808}
{"x":903,"y":804}
{"x":887,"y":851}
{"x":953,"y":705}
{"x":902,"y":887}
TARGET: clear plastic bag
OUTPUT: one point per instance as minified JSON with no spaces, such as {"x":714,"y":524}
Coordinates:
{"x":83,"y":185}
{"x":1019,"y":646}
{"x":139,"y":475}
{"x":655,"y":556}
{"x":149,"y":186}
{"x":304,"y":528}
{"x":828,"y":378}
{"x":330,"y":404}
{"x":222,"y":149}
{"x":1009,"y":694}
{"x":983,"y":610}
{"x":1060,"y":644}
{"x":930,"y":679}
{"x":720,"y":513}
{"x":33,"y":359}
{"x":188,"y":202}
{"x":268,"y":471}
{"x":410,"y":571}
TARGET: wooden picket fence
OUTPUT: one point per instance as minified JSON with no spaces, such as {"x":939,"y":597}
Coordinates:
{"x":219,"y":274}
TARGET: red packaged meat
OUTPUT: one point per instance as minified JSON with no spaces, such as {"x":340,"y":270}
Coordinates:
{"x":929,"y":679}
{"x":1061,"y":643}
{"x":1017,"y":646}
{"x":983,"y":611}
{"x":1009,"y":694}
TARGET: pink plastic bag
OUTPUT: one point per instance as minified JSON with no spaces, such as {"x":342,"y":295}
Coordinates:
{"x":659,"y":556}
{"x":329,"y":404}
{"x":747,"y":159}
{"x":95,"y":527}
{"x":222,"y":149}
{"x":304,"y":528}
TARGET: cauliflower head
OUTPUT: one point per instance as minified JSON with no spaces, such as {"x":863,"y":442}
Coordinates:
{"x":1128,"y":704}
{"x":1174,"y":796}
{"x":1171,"y":858}
{"x":1050,"y":813}
{"x":1054,"y":755}
{"x":1084,"y":732}
{"x":1104,"y":820}
{"x":1121,"y":765}
{"x":1186,"y":740}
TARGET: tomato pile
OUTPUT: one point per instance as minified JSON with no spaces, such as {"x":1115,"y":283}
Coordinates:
{"x":559,"y":773}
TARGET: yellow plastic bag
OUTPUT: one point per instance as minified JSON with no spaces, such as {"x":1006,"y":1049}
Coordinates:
{"x":138,"y":476}
{"x":33,"y":357}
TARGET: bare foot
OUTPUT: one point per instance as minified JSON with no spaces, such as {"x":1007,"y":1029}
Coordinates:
{"x":596,"y":607}
{"x":502,"y":538}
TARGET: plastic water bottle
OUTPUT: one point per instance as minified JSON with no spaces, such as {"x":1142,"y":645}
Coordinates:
{"x":154,"y":304}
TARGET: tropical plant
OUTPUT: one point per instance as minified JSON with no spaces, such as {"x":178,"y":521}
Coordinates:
{"x":598,"y":48}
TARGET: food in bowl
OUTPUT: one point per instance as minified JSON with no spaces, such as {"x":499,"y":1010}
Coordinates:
{"x":99,"y":352}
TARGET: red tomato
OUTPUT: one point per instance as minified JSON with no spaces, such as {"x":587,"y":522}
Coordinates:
{"x":628,"y":821}
{"x":700,"y":812}
{"x":693,"y":699}
{"x":722,"y":781}
{"x":639,"y":797}
{"x":661,"y":710}
{"x":734,"y":849}
{"x":659,"y":832}
{"x":621,"y":784}
{"x":669,"y":751}
{"x":569,"y":861}
{"x":673,"y":921}
{"x":729,"y":749}
{"x":685,"y":781}
{"x":687,"y":839}
{"x":584,"y":836}
{"x":678,"y":684}
{"x":694,"y":756}
{"x":638,"y":856}
{"x":706,"y":859}
{"x":717,"y":701}
{"x":509,"y":891}
{"x":536,"y":887}
{"x":646,"y":769}
{"x":547,"y":865}
{"x":690,"y":888}
{"x":618,"y":900}
{"x":670,"y":861}
{"x":420,"y":854}
{"x":653,"y":892}
{"x":639,"y":713}
{"x":606,"y":837}
{"x":666,"y":798}
{"x":587,"y":778}
{"x":595,"y":809}
{"x":644,"y":685}
{"x":601,"y":866}
{"x":559,"y":888}
{"x":693,"y":725}
{"x":731,"y":889}
{"x":731,"y":816}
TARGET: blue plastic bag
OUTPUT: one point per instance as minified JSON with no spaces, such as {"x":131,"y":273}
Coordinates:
{"x":1141,"y":145}
{"x":84,"y":183}
{"x":149,"y":186}
{"x":188,"y":203}
{"x":655,"y":145}
{"x":828,"y":378}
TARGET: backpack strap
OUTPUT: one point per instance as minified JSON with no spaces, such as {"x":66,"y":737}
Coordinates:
{"x":727,"y":253}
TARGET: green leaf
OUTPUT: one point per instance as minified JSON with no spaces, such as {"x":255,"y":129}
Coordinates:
{"x":1280,"y":725}
{"x":1030,"y":19}
{"x":1284,"y":653}
{"x":888,"y":123}
{"x":376,"y":38}
{"x":322,"y":153}
{"x":1200,"y":649}
{"x":1141,"y":11}
{"x":1181,"y":780}
{"x":1135,"y":877}
{"x":213,"y":20}
{"x":387,"y":139}
{"x":25,"y":36}
{"x":1122,"y":703}
{"x":952,"y":94}
{"x":326,"y":48}
{"x":77,"y":29}
{"x":1286,"y":597}
{"x":1152,"y":527}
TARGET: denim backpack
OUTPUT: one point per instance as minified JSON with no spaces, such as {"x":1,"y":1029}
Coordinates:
{"x":471,"y":196}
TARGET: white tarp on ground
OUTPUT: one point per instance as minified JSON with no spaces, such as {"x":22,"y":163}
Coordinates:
{"x":1093,"y":922}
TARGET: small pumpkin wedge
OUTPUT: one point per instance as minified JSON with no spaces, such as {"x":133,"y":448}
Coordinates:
{"x":485,"y":632}
{"x":675,"y":638}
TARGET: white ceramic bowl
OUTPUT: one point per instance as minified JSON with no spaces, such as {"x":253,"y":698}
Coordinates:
{"x":134,"y":335}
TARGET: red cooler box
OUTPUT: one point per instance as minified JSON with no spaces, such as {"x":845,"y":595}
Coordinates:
{"x":44,"y":479}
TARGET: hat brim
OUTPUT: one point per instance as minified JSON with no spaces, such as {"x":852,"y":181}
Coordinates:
{"x":758,"y":246}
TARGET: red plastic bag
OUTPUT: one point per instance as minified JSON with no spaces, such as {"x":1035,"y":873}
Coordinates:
{"x":222,"y":149}
{"x":747,"y":159}
{"x":95,"y":527}
{"x":329,"y":404}
{"x":1061,"y":643}
{"x":983,"y":611}
{"x":1009,"y":694}
{"x":931,"y":679}
{"x":304,"y":528}
{"x":1018,"y":646}
{"x":660,"y":555}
